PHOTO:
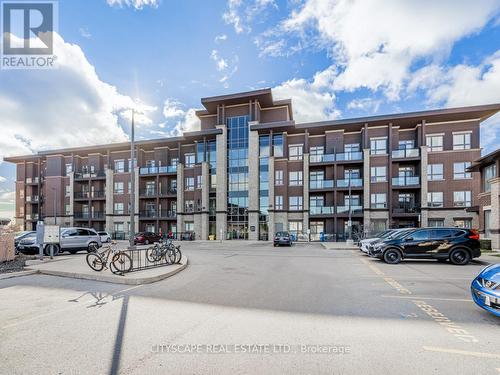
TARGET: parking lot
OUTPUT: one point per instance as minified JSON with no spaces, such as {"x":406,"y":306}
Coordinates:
{"x":299,"y":309}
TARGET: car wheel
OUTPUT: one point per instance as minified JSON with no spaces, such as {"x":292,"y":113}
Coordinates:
{"x":55,"y":251}
{"x":146,"y":242}
{"x":392,"y":256}
{"x":275,"y":244}
{"x":460,"y":257}
{"x":92,"y":248}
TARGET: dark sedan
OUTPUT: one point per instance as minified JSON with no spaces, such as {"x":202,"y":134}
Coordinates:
{"x":145,"y":238}
{"x":282,"y":238}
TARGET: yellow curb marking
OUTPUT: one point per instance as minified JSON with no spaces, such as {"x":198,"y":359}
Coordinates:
{"x":463,"y":352}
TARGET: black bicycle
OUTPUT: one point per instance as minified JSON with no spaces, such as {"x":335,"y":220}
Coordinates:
{"x":164,"y":250}
{"x":120,"y":262}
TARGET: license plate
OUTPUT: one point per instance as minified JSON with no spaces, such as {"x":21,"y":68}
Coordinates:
{"x":21,"y":247}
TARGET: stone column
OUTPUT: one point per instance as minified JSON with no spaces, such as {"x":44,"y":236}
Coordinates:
{"x":253,"y":186}
{"x":366,"y":191}
{"x":180,"y":197}
{"x":271,"y":198}
{"x":109,"y":199}
{"x":136,"y":198}
{"x":495,"y":213}
{"x":205,"y":177}
{"x":305,"y":196}
{"x":71,"y":198}
{"x":221,"y":216}
{"x":424,"y":187}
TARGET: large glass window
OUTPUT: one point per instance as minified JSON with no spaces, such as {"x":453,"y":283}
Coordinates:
{"x":378,"y":146}
{"x":118,"y":208}
{"x":462,"y":198}
{"x":316,"y":153}
{"x":200,"y":152}
{"x":189,"y":183}
{"x":118,"y":187}
{"x":435,"y":199}
{"x":352,"y":147}
{"x":459,"y":170}
{"x":435,"y":172}
{"x":278,"y":202}
{"x":378,"y":200}
{"x":461,"y":141}
{"x":295,"y":178}
{"x":378,"y":174}
{"x":278,"y":145}
{"x":435,"y":142}
{"x":189,"y":160}
{"x":295,"y":203}
{"x":119,"y":166}
{"x":264,"y":145}
{"x":489,"y":172}
{"x":278,"y":177}
{"x":436,"y":223}
{"x":406,"y":144}
{"x":295,"y":152}
{"x":487,"y":223}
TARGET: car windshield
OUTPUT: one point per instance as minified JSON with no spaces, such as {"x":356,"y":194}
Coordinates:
{"x":385,"y":234}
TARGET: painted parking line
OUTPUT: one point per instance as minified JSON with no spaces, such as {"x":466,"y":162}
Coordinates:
{"x":463,"y":352}
{"x":428,"y":298}
{"x":389,"y":280}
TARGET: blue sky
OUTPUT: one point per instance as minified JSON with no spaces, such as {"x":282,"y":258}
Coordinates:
{"x":334,"y":58}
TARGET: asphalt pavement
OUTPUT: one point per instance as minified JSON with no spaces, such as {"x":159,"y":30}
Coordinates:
{"x":242,"y":308}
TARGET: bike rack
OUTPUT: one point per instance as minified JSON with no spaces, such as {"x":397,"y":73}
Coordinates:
{"x":140,"y":261}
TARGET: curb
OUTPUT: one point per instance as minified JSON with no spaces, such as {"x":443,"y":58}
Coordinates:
{"x":97,"y":276}
{"x":11,"y":275}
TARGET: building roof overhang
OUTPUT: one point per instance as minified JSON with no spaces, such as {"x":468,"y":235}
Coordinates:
{"x":484,"y":161}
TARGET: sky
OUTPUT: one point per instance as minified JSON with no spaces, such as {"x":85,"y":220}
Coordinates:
{"x":333,"y":58}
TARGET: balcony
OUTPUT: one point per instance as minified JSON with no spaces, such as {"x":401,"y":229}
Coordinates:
{"x":349,"y":156}
{"x":324,"y":158}
{"x":81,"y":215}
{"x":143,"y":171}
{"x":317,"y":211}
{"x":406,"y":153}
{"x":100,"y":194}
{"x":32,"y":180}
{"x":82,"y":195}
{"x":167,"y":169}
{"x":148,"y":214}
{"x":32,"y":198}
{"x":406,"y":208}
{"x":321,"y":184}
{"x":172,"y":192}
{"x":148,"y":193}
{"x":406,"y":181}
{"x":167,"y":214}
{"x":85,"y":175}
{"x":353,"y":182}
{"x":96,"y":215}
{"x":33,"y":217}
{"x":345,"y":209}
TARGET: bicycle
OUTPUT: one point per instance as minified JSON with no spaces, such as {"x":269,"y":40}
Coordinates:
{"x":120,"y":261}
{"x":166,"y":250}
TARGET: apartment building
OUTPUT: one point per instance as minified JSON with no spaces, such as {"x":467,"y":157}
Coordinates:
{"x":489,"y":196}
{"x":251,"y":170}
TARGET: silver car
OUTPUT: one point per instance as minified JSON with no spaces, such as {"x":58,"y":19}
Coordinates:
{"x":75,"y":239}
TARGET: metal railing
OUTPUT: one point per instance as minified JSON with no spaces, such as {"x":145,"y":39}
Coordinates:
{"x":32,"y":198}
{"x":147,"y":192}
{"x":345,"y":209}
{"x":169,"y":191}
{"x":81,"y":194}
{"x":148,"y":214}
{"x":168,"y":169}
{"x":322,"y":158}
{"x":410,"y":208}
{"x":406,"y":153}
{"x":321,"y":184}
{"x":406,"y":181}
{"x":98,"y":194}
{"x":84,"y":174}
{"x":167,"y":214}
{"x":354,"y":182}
{"x":349,"y":156}
{"x":322,"y":210}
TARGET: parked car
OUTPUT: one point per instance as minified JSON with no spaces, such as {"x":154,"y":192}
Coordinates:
{"x":363,"y":244}
{"x":282,"y":238}
{"x":105,"y":237}
{"x":19,"y":236}
{"x":145,"y":238}
{"x":485,"y":289}
{"x":75,"y":239}
{"x":395,"y":233}
{"x":459,"y":245}
{"x":27,"y":244}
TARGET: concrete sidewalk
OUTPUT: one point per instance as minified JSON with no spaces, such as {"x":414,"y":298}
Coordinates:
{"x":75,"y":266}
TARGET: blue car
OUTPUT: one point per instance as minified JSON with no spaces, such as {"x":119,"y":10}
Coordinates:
{"x":486,"y":289}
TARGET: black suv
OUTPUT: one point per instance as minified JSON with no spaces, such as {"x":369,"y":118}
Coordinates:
{"x":459,"y":245}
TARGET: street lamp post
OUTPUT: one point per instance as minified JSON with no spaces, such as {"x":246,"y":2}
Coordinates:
{"x":350,"y":211}
{"x":54,"y":191}
{"x":132,"y":184}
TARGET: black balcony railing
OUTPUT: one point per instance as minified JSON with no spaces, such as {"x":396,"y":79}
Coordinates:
{"x":98,"y":194}
{"x":167,"y":214}
{"x":82,"y":194}
{"x":406,"y":208}
{"x":171,"y":191}
{"x":83,"y":175}
{"x":148,"y":192}
{"x":316,"y":211}
{"x":89,"y":215}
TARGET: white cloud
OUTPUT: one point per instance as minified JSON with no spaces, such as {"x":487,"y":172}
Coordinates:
{"x":226,"y":68}
{"x":7,"y":204}
{"x":309,"y":103}
{"x":79,"y":109}
{"x":240,"y":14}
{"x":2,"y":179}
{"x":185,"y":120}
{"x":365,"y":104}
{"x":220,"y":63}
{"x":172,"y":108}
{"x":84,"y":32}
{"x":220,"y":38}
{"x":374,"y":43}
{"x":137,"y":4}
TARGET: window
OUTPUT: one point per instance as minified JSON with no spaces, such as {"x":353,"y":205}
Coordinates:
{"x":436,"y":223}
{"x":407,"y":144}
{"x":378,"y":146}
{"x":461,"y":141}
{"x":213,"y":181}
{"x":316,"y":153}
{"x":278,"y":145}
{"x":489,"y":172}
{"x":119,"y":166}
{"x":295,"y":203}
{"x":119,"y":188}
{"x":189,"y":160}
{"x":295,"y":178}
{"x":459,"y":170}
{"x":351,"y":147}
{"x":189,"y":226}
{"x":199,"y":182}
{"x":119,"y":208}
{"x":200,"y":152}
{"x":435,"y":199}
{"x":119,"y":227}
{"x":487,"y":223}
{"x":295,"y":227}
{"x":435,"y":172}
{"x":150,"y":163}
{"x":278,"y":177}
{"x":130,"y":166}
{"x":316,"y":201}
{"x":150,"y":187}
{"x":69,"y":168}
{"x":174,"y":162}
{"x":278,"y":202}
{"x":462,"y":199}
{"x":435,"y":142}
{"x":67,"y":210}
{"x":378,"y":225}
{"x":462,"y":223}
{"x":189,"y":205}
{"x":189,"y":183}
{"x":420,"y":235}
{"x":295,"y":152}
{"x":67,"y":190}
{"x":378,"y":200}
{"x":378,"y":174}
{"x":264,"y":145}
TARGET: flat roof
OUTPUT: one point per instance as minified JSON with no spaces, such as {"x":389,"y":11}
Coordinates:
{"x":264,"y":96}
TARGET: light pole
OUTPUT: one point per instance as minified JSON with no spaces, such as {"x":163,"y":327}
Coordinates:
{"x":132,"y":184}
{"x":350,"y":213}
{"x":54,"y":191}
